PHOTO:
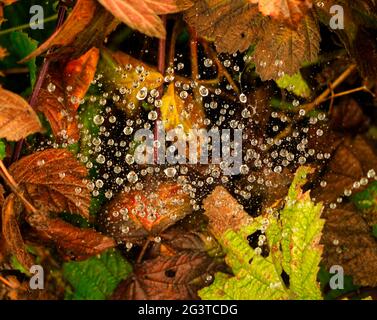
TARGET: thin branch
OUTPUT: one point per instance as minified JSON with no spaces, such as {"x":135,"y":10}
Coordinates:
{"x":28,"y":25}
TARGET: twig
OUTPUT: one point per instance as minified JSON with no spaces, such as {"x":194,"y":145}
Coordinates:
{"x":28,"y":25}
{"x":143,"y":250}
{"x":173,"y":40}
{"x":344,"y":93}
{"x":310,"y":106}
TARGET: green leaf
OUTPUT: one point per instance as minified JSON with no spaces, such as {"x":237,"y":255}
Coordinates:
{"x":366,"y":199}
{"x":295,"y":84}
{"x":97,"y":277}
{"x":22,"y":45}
{"x":2,"y":150}
{"x":293,"y":238}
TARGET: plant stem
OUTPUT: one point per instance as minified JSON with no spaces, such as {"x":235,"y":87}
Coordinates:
{"x":42,"y":74}
{"x":28,"y":25}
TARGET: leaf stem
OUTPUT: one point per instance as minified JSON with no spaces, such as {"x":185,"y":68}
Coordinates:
{"x":28,"y":25}
{"x":7,"y":177}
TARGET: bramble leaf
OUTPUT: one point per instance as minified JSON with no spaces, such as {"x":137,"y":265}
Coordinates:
{"x":293,"y":241}
{"x":97,"y":277}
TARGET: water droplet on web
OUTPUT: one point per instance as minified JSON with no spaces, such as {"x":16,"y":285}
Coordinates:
{"x":98,"y":119}
{"x":51,"y":87}
{"x":142,"y":94}
{"x":203,"y":91}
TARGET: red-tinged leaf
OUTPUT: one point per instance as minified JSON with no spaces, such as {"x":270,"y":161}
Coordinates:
{"x":134,"y":215}
{"x":11,"y":232}
{"x":17,"y":118}
{"x":74,"y":242}
{"x":78,"y":74}
{"x":136,"y":14}
{"x":60,"y":105}
{"x":167,"y":278}
{"x":54,"y":180}
{"x":168,"y":6}
{"x":80,"y":17}
{"x":1,"y":196}
{"x":289,"y":11}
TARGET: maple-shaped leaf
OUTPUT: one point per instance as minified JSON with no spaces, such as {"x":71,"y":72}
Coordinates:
{"x":86,"y":26}
{"x":167,"y":278}
{"x":17,"y":118}
{"x":232,"y":24}
{"x":122,"y":73}
{"x":293,"y":241}
{"x":74,"y":242}
{"x":97,"y":277}
{"x":283,"y":51}
{"x":132,"y":216}
{"x":142,"y":15}
{"x":62,"y":92}
{"x":289,"y":11}
{"x":11,"y":232}
{"x":54,"y":180}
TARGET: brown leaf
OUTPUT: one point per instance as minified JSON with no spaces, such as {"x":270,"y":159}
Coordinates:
{"x":87,"y":26}
{"x":167,"y":278}
{"x":142,"y":15}
{"x":349,"y":243}
{"x":283,"y":50}
{"x":11,"y":210}
{"x":54,"y":180}
{"x":74,"y":242}
{"x":224,"y":212}
{"x":288,"y":11}
{"x":232,"y":25}
{"x":134,"y":215}
{"x":17,"y":118}
{"x":351,"y":162}
{"x":57,"y":103}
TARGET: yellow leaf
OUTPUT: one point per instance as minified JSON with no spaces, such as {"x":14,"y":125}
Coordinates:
{"x":177,"y":112}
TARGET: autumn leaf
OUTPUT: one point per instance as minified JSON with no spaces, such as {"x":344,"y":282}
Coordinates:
{"x":54,"y":180}
{"x":178,"y":112}
{"x":123,"y":73}
{"x":11,"y":232}
{"x":134,"y":215}
{"x":167,"y":278}
{"x":349,"y":243}
{"x":142,"y":15}
{"x":82,"y":30}
{"x":289,"y":11}
{"x":232,"y":25}
{"x":17,"y":118}
{"x":352,"y":161}
{"x":74,"y":242}
{"x":63,"y":91}
{"x":3,"y":53}
{"x":283,"y":51}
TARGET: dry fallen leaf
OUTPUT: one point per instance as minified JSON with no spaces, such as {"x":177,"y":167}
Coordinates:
{"x":142,"y":15}
{"x":82,"y":30}
{"x":167,"y":278}
{"x":134,"y":215}
{"x":351,"y":162}
{"x":283,"y":51}
{"x":62,"y":92}
{"x":17,"y":118}
{"x":11,"y":232}
{"x":232,"y":214}
{"x":349,"y":243}
{"x":75,"y":243}
{"x":54,"y":180}
{"x":233,"y":25}
{"x":288,"y":11}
